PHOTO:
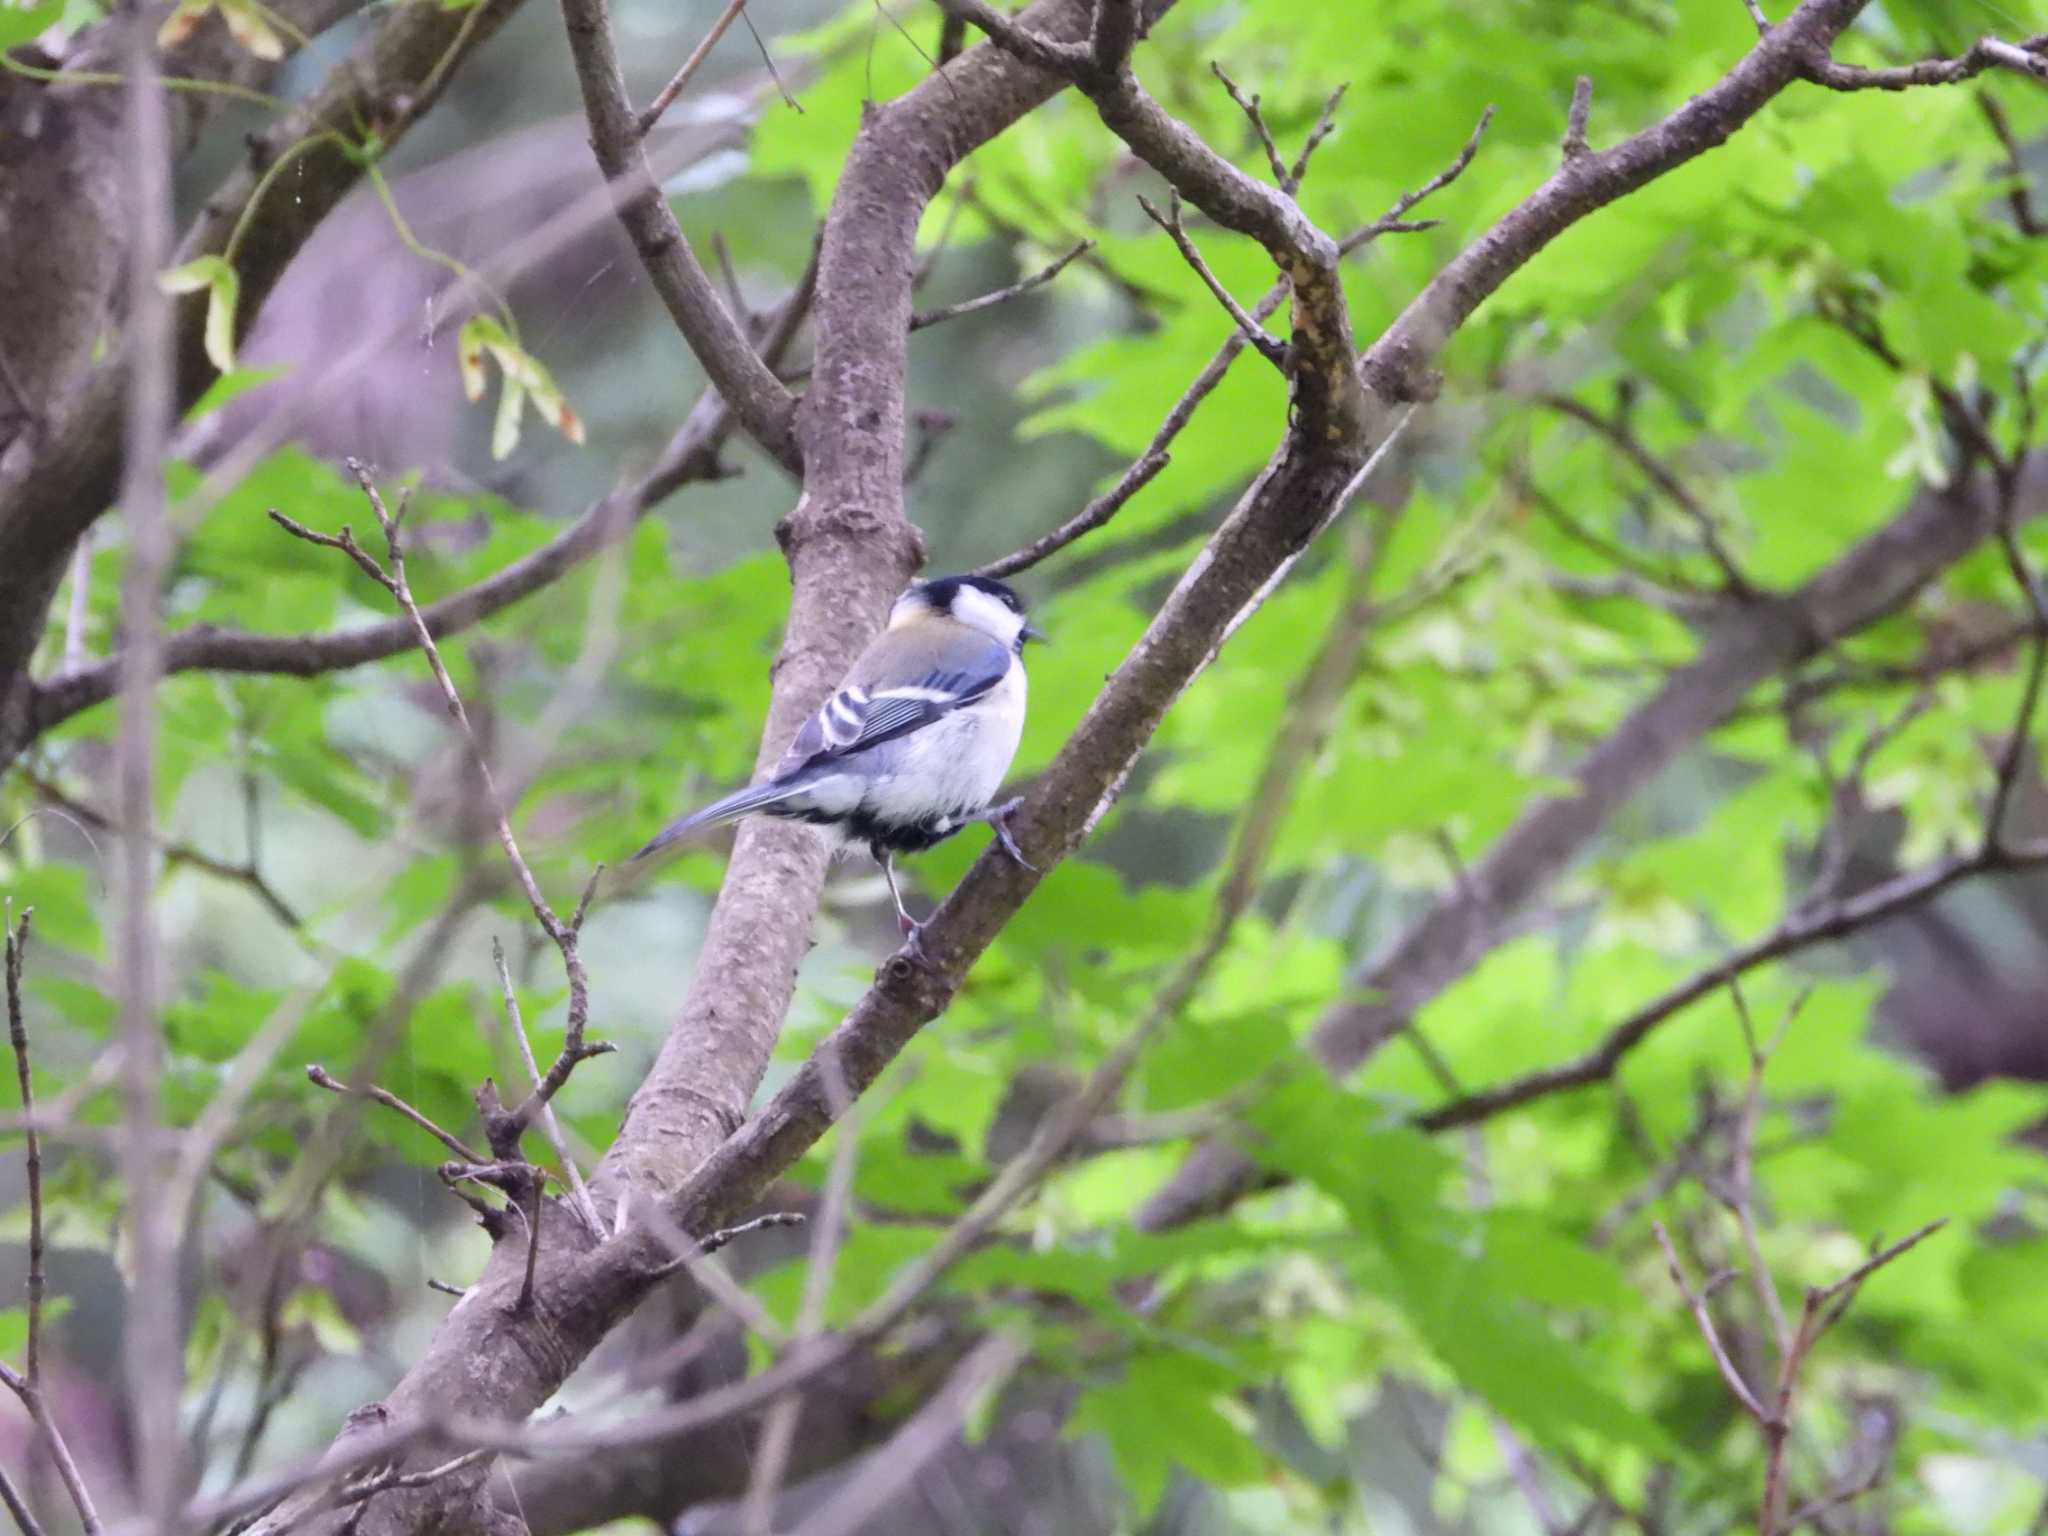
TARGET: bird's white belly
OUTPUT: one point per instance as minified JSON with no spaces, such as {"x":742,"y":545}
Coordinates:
{"x":954,"y":766}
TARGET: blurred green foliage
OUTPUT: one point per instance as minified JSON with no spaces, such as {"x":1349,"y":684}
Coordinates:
{"x":1509,"y":1271}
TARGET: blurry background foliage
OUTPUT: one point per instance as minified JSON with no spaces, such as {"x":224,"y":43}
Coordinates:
{"x":1415,"y":1329}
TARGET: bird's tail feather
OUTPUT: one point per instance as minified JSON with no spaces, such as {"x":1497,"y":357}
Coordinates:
{"x":731,"y":808}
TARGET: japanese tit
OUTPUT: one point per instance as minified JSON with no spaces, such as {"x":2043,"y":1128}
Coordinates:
{"x":914,"y":744}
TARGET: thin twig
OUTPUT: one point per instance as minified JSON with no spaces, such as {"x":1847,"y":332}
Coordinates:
{"x":551,"y":1128}
{"x":2013,"y":755}
{"x":725,"y":1235}
{"x":1802,"y":930}
{"x":1575,"y":144}
{"x":60,"y":1449}
{"x":17,"y":1034}
{"x":1736,"y":1385}
{"x":1824,"y":1308}
{"x":17,"y":1506}
{"x":393,"y":1478}
{"x":536,"y":1189}
{"x":1741,"y":1197}
{"x":1155,"y":457}
{"x":1395,"y":217}
{"x":778,"y":1429}
{"x":320,"y":1077}
{"x":2019,"y":199}
{"x":152,"y":1351}
{"x":1249,"y":106}
{"x":565,"y":936}
{"x":2028,"y":58}
{"x":1024,"y":285}
{"x":1269,"y":346}
{"x":1660,"y":475}
{"x":175,"y":853}
{"x":665,"y":97}
{"x":694,"y":1257}
{"x":1325,"y":121}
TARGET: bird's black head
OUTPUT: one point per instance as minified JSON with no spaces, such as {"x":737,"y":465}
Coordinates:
{"x":980,"y":601}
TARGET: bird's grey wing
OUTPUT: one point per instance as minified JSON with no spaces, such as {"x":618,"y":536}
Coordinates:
{"x":866,"y":711}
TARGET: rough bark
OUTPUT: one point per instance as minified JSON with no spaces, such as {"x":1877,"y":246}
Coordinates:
{"x":850,"y":550}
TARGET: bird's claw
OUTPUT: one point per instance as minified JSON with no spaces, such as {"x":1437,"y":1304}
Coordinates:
{"x":913,"y":945}
{"x":998,"y":818}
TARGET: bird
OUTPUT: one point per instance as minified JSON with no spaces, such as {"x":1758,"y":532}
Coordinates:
{"x":914,"y":743}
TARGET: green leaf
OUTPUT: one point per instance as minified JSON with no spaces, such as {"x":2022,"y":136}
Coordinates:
{"x":1171,"y":1410}
{"x":21,"y":24}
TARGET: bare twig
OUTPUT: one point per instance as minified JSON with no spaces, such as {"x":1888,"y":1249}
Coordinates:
{"x":17,"y":1506}
{"x":551,"y":1128}
{"x":393,"y":1478}
{"x":1326,"y":120}
{"x":1269,"y":347}
{"x":2018,"y":198}
{"x":505,"y":1134}
{"x":1155,"y":457}
{"x":2013,"y":755}
{"x":1249,"y":106}
{"x":1823,"y":1308}
{"x":763,"y":404}
{"x":1756,"y":14}
{"x":152,"y":1353}
{"x":1038,"y":279}
{"x":1062,"y":59}
{"x":1633,"y":448}
{"x":778,"y":1430}
{"x":665,"y":97}
{"x":2026,"y":58}
{"x":1395,"y":217}
{"x":245,"y":874}
{"x":536,"y":1187}
{"x":1575,"y":143}
{"x":17,"y":1034}
{"x":1741,"y":1195}
{"x":320,"y":1077}
{"x":59,"y":1448}
{"x":1802,"y":930}
{"x":695,"y":1257}
{"x":724,"y":1235}
{"x":1737,"y":1387}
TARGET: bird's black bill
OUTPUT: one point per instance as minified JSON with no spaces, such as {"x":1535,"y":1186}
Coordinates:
{"x":1033,"y":632}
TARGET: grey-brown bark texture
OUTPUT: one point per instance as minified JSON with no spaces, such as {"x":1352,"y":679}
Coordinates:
{"x":687,"y":1147}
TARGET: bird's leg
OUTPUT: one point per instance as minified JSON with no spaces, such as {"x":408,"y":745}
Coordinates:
{"x":995,"y":816}
{"x":888,"y":862}
{"x":913,"y":930}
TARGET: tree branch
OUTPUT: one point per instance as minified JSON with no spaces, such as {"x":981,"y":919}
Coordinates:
{"x":692,"y":456}
{"x":1869,"y":581}
{"x":763,"y":405}
{"x":1397,"y":367}
{"x":850,"y":551}
{"x":49,"y":498}
{"x":2027,"y":58}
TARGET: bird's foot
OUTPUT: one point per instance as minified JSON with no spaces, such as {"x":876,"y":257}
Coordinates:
{"x":913,"y":944}
{"x":997,"y":817}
